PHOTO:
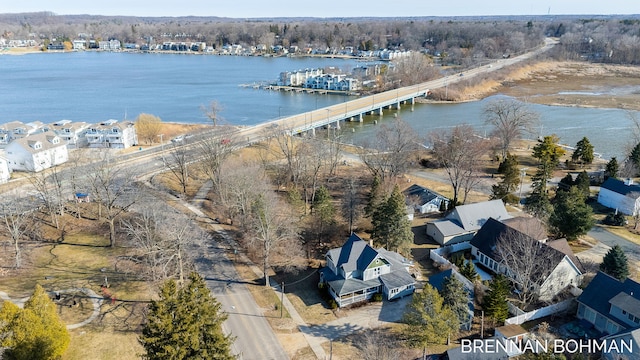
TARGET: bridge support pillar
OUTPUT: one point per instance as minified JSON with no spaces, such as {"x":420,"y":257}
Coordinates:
{"x":380,"y":112}
{"x":398,"y":105}
{"x":360,"y":119}
{"x":413,"y":101}
{"x":338,"y":124}
{"x":313,"y":132}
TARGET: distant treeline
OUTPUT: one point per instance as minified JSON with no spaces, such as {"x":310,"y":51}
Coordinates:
{"x":457,"y":40}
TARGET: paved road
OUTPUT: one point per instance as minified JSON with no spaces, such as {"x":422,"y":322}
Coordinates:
{"x":610,"y":239}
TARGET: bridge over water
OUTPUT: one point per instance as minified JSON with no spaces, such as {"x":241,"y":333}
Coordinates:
{"x":354,"y":110}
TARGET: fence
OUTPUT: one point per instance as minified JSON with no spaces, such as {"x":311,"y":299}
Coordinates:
{"x":538,"y":313}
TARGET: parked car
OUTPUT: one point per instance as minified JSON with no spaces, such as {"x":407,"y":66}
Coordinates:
{"x":178,"y":139}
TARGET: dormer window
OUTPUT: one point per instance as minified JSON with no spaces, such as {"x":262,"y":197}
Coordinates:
{"x":37,"y":146}
{"x":115,"y":130}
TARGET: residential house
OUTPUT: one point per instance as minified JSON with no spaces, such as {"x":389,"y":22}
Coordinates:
{"x":626,"y":345}
{"x":17,"y":130}
{"x":556,"y":267}
{"x":624,"y":196}
{"x":356,"y":271}
{"x":463,"y":222}
{"x":610,"y":305}
{"x":72,"y":133}
{"x":112,"y":134}
{"x":5,"y":172}
{"x":36,"y":152}
{"x":424,"y":200}
{"x":437,"y":281}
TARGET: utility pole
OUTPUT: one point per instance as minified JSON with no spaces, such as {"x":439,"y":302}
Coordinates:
{"x":162,"y":147}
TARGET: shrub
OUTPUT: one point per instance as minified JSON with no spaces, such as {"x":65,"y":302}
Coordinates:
{"x":333,"y":304}
{"x":615,"y":219}
{"x":377,"y":297}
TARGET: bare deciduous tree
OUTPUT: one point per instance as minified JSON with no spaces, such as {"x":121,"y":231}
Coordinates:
{"x":212,"y":112}
{"x":274,"y":234}
{"x":376,"y":345}
{"x":510,"y":120}
{"x":178,"y":165}
{"x":527,"y":260}
{"x":48,"y":185}
{"x":459,"y":151}
{"x":213,"y":151}
{"x":17,"y":223}
{"x":114,"y":189}
{"x":390,"y":154}
{"x":239,"y":186}
{"x":351,"y":206}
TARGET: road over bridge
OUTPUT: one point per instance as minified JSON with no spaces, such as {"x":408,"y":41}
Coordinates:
{"x":353,"y":110}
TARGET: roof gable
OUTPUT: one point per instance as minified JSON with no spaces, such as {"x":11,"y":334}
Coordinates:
{"x":619,"y":186}
{"x":421,"y":194}
{"x":355,"y":254}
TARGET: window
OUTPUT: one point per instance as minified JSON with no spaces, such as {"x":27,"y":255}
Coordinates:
{"x":624,"y":312}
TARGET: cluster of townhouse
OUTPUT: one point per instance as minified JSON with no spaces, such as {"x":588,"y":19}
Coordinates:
{"x":319,"y":79}
{"x":35,"y":146}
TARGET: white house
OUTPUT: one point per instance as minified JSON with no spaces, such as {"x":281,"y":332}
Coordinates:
{"x":356,"y":271}
{"x":112,"y":134}
{"x":623,"y":196}
{"x":557,"y":268}
{"x":5,"y":172}
{"x":72,"y":133}
{"x":17,"y":130}
{"x":424,"y":200}
{"x":465,"y":220}
{"x":36,"y":152}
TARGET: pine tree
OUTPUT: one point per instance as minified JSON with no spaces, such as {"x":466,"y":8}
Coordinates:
{"x":583,"y":152}
{"x":615,"y":263}
{"x":35,"y":332}
{"x":391,"y":227}
{"x":375,"y":197}
{"x":185,"y":323}
{"x":456,"y":297}
{"x":548,"y":154}
{"x":323,"y":209}
{"x":510,"y":173}
{"x":429,"y":320}
{"x":495,"y":301}
{"x":582,"y":183}
{"x":612,"y":168}
{"x":634,"y":156}
{"x":468,"y":270}
{"x":571,"y":216}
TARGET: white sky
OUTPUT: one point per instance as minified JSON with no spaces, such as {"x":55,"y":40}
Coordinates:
{"x":323,"y":8}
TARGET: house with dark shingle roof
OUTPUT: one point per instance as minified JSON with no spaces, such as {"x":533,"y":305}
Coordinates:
{"x":557,"y":269}
{"x":461,"y":223}
{"x":424,"y":200}
{"x":624,"y":196}
{"x":356,"y":271}
{"x":612,"y":306}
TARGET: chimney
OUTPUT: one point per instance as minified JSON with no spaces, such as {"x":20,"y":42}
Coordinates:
{"x":628,"y":181}
{"x":371,"y":242}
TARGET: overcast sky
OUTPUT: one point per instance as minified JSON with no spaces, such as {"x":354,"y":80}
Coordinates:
{"x":323,"y":8}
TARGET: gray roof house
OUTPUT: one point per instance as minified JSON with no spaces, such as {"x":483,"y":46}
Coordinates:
{"x":557,"y":269}
{"x":624,"y":196}
{"x":356,"y":271}
{"x":424,"y":200}
{"x":463,"y":222}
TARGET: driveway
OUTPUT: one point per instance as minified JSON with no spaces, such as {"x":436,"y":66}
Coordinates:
{"x":607,"y":240}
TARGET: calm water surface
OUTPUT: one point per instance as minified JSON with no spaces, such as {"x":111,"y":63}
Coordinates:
{"x":90,"y":86}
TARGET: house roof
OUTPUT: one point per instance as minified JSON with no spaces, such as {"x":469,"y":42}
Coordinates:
{"x":485,"y":240}
{"x":511,"y":330}
{"x":619,"y":186}
{"x":603,"y":288}
{"x":448,"y":227}
{"x":396,"y":279}
{"x":626,"y":302}
{"x":473,"y":216}
{"x":354,"y":254}
{"x":563,"y":246}
{"x":422,"y":194}
{"x":45,"y":138}
{"x":348,"y":286}
{"x":528,"y":225}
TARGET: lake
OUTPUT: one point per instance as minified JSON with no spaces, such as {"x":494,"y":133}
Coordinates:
{"x":95,"y":86}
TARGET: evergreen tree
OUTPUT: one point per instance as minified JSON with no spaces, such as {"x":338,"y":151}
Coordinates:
{"x":612,"y":168}
{"x":185,"y":323}
{"x":468,"y":270}
{"x":495,"y":300}
{"x":583,"y":152}
{"x":323,"y":209}
{"x":582,"y":183}
{"x":548,"y":154}
{"x":391,"y":227}
{"x":510,"y":173}
{"x":429,"y":320}
{"x":35,"y":332}
{"x":634,"y":156}
{"x":615,"y":263}
{"x":571,"y":216}
{"x":456,"y":297}
{"x":375,"y":197}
